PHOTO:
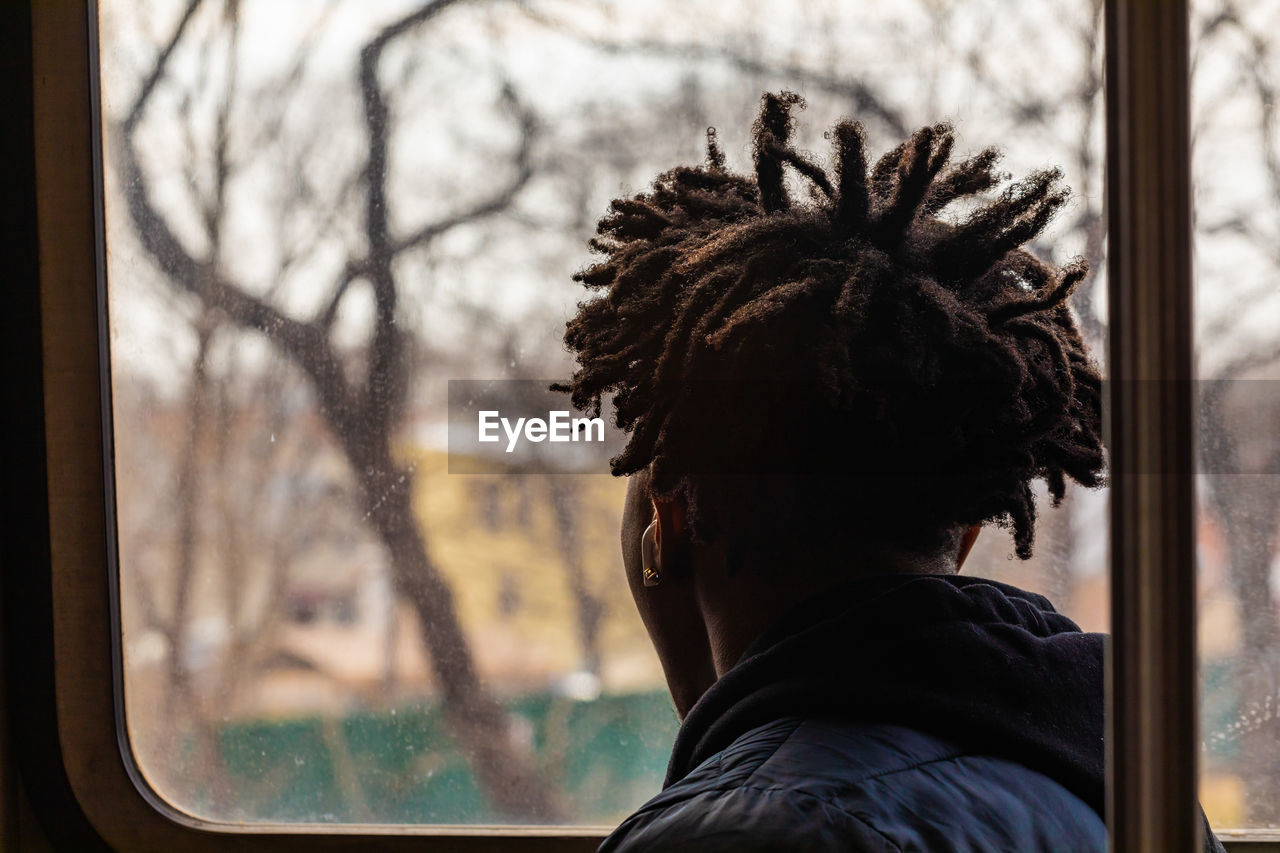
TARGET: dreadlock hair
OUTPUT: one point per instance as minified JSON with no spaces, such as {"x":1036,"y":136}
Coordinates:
{"x":859,"y":362}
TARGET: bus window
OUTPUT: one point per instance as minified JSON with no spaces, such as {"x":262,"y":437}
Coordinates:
{"x":329,"y":228}
{"x":1236,"y":172}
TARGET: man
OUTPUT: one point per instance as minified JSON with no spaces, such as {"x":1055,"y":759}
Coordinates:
{"x":826,"y":402}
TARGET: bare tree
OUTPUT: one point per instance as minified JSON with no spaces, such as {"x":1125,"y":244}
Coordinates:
{"x":362,"y":414}
{"x":1239,"y":405}
{"x":361,"y":394}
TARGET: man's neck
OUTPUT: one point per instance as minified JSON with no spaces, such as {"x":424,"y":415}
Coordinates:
{"x":737,"y":608}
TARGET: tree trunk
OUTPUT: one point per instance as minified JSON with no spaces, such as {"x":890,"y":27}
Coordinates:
{"x":1257,"y":673}
{"x":1245,"y":498}
{"x":586,"y":606}
{"x":506,"y":773}
{"x":179,"y":694}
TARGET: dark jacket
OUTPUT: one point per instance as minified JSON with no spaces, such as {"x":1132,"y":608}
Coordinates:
{"x":926,"y":712}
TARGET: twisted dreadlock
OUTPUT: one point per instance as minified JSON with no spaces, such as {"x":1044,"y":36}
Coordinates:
{"x":856,"y":362}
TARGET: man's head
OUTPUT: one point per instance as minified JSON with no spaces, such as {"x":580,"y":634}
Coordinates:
{"x":866,"y":365}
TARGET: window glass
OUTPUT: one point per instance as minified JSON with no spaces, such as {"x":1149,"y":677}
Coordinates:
{"x":331,"y":227}
{"x":1236,"y":169}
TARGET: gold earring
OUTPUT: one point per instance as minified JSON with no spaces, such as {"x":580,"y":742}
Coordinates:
{"x":649,"y":555}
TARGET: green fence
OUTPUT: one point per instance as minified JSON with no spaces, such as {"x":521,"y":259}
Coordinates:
{"x":400,"y":765}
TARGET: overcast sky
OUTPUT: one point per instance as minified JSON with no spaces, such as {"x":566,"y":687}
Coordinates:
{"x":452,"y":66}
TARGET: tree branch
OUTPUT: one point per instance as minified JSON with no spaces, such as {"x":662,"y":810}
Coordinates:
{"x":158,"y":69}
{"x":201,"y":278}
{"x":867,"y":101}
{"x":500,"y":199}
{"x":350,"y":272}
{"x":1237,"y":367}
{"x":384,"y":387}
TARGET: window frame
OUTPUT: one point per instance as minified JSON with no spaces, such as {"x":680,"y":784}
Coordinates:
{"x":1153,"y":749}
{"x":103,"y":777}
{"x":1153,"y":730}
{"x":1153,"y":733}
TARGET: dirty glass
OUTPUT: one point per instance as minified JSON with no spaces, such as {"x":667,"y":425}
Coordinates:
{"x":323,"y":216}
{"x":1236,"y":173}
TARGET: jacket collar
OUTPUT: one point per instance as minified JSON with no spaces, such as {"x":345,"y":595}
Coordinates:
{"x":990,"y":667}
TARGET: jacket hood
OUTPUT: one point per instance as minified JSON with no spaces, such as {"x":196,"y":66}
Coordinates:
{"x":985,"y":665}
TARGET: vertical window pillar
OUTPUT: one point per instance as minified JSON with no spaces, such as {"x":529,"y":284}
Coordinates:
{"x":1153,"y":731}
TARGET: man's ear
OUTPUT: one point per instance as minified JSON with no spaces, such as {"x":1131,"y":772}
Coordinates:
{"x":673,"y":535}
{"x":967,"y":539}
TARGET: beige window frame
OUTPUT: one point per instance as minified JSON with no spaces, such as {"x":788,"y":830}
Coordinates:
{"x":1153,"y":743}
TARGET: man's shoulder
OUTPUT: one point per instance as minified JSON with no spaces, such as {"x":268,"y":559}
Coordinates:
{"x":835,"y":785}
